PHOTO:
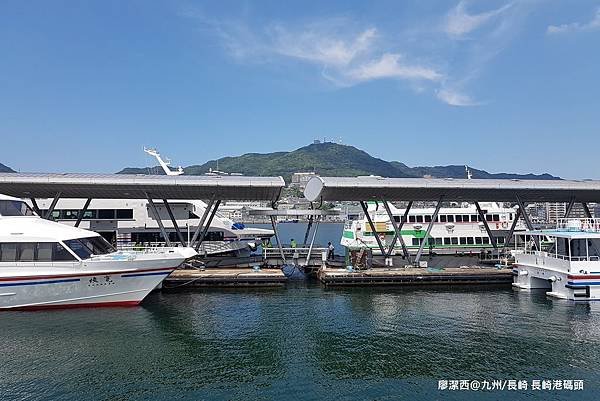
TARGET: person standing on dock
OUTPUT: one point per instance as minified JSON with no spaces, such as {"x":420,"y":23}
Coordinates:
{"x":330,"y":251}
{"x":293,"y":243}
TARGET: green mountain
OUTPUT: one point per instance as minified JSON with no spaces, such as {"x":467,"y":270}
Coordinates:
{"x":329,"y":159}
{"x":5,"y":169}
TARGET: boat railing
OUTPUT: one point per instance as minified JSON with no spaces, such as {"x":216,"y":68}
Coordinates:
{"x":590,"y":258}
{"x":570,"y":224}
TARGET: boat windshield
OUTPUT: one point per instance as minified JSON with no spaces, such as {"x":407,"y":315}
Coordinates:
{"x":15,"y":208}
{"x":86,"y":247}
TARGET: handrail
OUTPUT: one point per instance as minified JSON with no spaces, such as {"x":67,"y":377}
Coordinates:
{"x":585,"y":225}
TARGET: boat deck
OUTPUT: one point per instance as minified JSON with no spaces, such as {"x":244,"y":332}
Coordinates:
{"x":414,"y":276}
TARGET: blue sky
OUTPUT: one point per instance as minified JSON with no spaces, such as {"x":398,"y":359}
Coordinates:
{"x":499,"y":85}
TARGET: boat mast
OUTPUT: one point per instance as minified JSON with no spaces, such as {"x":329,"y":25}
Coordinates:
{"x":163,"y":163}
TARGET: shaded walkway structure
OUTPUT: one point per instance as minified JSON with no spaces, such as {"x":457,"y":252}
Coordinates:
{"x":384,"y":190}
{"x":154,"y":188}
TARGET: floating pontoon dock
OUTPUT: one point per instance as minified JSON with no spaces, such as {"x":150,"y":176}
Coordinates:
{"x":224,"y":277}
{"x":414,"y":276}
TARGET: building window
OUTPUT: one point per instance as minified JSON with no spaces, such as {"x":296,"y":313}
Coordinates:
{"x":125,"y":214}
{"x":106,"y":214}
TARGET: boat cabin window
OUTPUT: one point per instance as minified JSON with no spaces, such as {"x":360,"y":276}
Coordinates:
{"x":34,"y":252}
{"x":86,"y":247}
{"x":8,"y":252}
{"x":474,"y":217}
{"x":459,"y":218}
{"x":443,"y":218}
{"x":15,"y":208}
{"x":450,"y":218}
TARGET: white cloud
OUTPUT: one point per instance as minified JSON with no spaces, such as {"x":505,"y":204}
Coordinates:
{"x":459,"y":22}
{"x":347,"y":55}
{"x":321,"y":47}
{"x":455,"y":98}
{"x":576,"y":26}
{"x":390,"y":65}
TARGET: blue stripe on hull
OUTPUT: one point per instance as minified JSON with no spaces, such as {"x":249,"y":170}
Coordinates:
{"x":71,"y":280}
{"x":584,"y":283}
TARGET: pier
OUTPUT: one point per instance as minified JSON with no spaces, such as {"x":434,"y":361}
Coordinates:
{"x":224,"y":277}
{"x":378,"y":276}
{"x":391,"y":268}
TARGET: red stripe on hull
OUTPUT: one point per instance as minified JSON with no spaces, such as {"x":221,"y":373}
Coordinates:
{"x":587,"y":276}
{"x":17,"y":278}
{"x":115,"y":304}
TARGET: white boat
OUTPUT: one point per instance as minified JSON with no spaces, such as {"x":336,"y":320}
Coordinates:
{"x":131,"y":222}
{"x":456,"y":229}
{"x":567,"y":266}
{"x":44,"y":264}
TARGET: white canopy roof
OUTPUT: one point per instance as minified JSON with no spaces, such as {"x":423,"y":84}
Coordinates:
{"x":130,"y":186}
{"x":419,"y":189}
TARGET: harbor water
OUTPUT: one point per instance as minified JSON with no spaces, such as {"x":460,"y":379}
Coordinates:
{"x":303,"y":343}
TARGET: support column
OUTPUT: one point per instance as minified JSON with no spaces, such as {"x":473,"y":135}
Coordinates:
{"x":279,"y":245}
{"x":398,"y":229}
{"x":52,"y":206}
{"x":36,"y":208}
{"x":82,"y":211}
{"x":527,"y":221}
{"x":312,"y":241}
{"x":175,"y":225}
{"x":208,"y":223}
{"x":586,"y":210}
{"x":308,"y":227}
{"x":158,"y":220}
{"x":379,"y":243}
{"x":569,"y":207}
{"x":201,"y":223}
{"x":486,"y":225}
{"x":512,"y":227}
{"x":429,"y":227}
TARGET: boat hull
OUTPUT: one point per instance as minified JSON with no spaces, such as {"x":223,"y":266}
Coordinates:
{"x":90,"y":289}
{"x":562,"y":285}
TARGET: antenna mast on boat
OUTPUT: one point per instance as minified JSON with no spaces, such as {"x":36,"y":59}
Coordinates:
{"x":163,"y":163}
{"x":469,"y":174}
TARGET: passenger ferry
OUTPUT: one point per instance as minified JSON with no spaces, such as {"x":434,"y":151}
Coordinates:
{"x":456,"y":229}
{"x":44,"y":264}
{"x":130,"y":222}
{"x":568,"y":265}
